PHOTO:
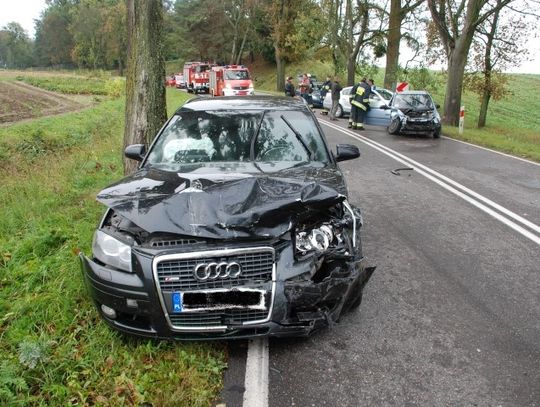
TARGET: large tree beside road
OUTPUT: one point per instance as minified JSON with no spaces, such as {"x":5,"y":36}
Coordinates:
{"x":399,"y":9}
{"x":456,"y":23}
{"x":145,"y":92}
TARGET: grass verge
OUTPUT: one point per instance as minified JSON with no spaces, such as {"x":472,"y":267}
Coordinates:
{"x":77,"y":85}
{"x":54,"y":349}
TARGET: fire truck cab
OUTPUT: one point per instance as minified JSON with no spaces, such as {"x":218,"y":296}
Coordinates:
{"x":196,"y":76}
{"x":230,"y":80}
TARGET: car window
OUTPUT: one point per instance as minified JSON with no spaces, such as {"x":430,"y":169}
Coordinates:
{"x":227,"y":136}
{"x":289,"y":136}
{"x":374,"y":98}
{"x":413,"y":101}
{"x":346,"y":91}
{"x":385,"y":94}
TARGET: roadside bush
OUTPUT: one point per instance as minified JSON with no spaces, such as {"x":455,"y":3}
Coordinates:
{"x":115,"y":87}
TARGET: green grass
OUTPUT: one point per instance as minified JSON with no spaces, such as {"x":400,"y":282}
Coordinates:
{"x":76,"y":85}
{"x":513,"y":123}
{"x":54,"y":349}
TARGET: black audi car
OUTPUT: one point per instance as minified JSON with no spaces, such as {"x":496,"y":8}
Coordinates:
{"x":236,"y":224}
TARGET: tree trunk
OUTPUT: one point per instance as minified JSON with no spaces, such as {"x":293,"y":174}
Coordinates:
{"x":454,"y":88}
{"x":120,"y":67}
{"x":392,"y":47}
{"x":351,"y":70}
{"x":280,"y":71}
{"x":241,"y":50}
{"x":483,"y":109}
{"x":145,"y":92}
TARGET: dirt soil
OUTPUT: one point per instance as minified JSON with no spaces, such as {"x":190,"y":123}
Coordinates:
{"x":20,"y":101}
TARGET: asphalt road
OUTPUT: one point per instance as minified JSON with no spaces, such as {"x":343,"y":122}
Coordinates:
{"x":451,"y":316}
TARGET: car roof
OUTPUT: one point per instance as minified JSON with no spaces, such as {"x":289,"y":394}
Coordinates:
{"x":244,"y":103}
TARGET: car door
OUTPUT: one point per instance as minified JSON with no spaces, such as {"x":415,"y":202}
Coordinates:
{"x":376,"y":114}
{"x":344,"y":100}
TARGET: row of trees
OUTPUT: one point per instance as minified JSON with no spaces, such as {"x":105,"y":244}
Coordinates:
{"x":477,"y":39}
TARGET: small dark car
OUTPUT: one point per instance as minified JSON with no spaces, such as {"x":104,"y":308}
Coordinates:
{"x":236,"y":224}
{"x":414,"y":112}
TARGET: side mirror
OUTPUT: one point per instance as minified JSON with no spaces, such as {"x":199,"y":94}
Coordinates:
{"x":438,"y":106}
{"x":346,"y":152}
{"x":135,"y":152}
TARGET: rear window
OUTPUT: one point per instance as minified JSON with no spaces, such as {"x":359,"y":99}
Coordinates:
{"x":229,"y":136}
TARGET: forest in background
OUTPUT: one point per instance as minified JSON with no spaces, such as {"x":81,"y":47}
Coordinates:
{"x":477,"y":40}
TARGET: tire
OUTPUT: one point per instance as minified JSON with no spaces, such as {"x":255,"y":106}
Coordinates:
{"x":339,"y":111}
{"x":394,"y":126}
{"x":437,"y":133}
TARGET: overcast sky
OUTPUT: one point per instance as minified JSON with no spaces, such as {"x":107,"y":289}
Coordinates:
{"x":26,"y":11}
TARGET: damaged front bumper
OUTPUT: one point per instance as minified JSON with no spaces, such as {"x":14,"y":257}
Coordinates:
{"x":419,"y":126}
{"x":297,"y":297}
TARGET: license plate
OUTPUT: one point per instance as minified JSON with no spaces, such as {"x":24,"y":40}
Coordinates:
{"x":237,"y":298}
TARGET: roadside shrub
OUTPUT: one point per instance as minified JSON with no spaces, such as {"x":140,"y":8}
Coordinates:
{"x":115,"y":87}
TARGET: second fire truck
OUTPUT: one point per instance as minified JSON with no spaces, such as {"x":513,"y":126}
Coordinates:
{"x":230,"y":80}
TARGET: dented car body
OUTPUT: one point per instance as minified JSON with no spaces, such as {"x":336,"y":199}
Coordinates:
{"x":235,"y":225}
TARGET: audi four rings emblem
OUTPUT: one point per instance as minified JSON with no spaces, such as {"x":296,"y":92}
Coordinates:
{"x":213,"y":271}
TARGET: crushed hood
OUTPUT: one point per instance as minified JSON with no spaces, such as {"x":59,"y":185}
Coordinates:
{"x":223,"y":205}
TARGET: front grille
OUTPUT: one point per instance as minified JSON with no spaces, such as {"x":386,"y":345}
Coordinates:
{"x":256,"y":267}
{"x":171,"y":242}
{"x":216,"y":318}
{"x":241,"y":87}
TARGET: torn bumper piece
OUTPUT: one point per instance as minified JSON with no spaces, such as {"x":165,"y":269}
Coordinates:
{"x":295,"y":306}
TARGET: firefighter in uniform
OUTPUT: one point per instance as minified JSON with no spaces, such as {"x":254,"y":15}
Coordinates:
{"x":359,"y":104}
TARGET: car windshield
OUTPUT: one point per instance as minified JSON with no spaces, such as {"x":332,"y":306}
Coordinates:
{"x":236,"y":75}
{"x":235,"y":136}
{"x":413,"y":101}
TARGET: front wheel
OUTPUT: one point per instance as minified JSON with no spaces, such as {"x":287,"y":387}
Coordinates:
{"x":437,"y":133}
{"x":394,"y":126}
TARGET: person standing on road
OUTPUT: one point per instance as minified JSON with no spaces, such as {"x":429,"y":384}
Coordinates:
{"x":289,"y":87}
{"x":359,"y":104}
{"x":325,"y":88}
{"x":335,"y":89}
{"x":305,"y":87}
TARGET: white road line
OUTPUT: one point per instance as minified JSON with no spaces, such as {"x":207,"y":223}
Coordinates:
{"x":256,"y":382}
{"x":444,"y":182}
{"x":493,"y":151}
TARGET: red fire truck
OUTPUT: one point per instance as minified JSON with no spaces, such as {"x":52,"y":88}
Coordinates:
{"x":230,"y":80}
{"x":196,"y":76}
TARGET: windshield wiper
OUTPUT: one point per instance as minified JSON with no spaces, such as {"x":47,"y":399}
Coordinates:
{"x":254,"y":138}
{"x":298,"y":136}
{"x":420,"y":101}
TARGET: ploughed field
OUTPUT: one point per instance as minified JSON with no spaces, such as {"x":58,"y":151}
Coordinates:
{"x":20,"y":101}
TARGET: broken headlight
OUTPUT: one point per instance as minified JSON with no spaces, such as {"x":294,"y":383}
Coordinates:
{"x":317,"y":239}
{"x":112,"y":251}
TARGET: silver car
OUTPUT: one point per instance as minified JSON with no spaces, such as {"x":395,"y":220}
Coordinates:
{"x":378,"y":98}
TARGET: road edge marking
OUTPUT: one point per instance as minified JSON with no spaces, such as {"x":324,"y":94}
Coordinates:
{"x":257,"y":367}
